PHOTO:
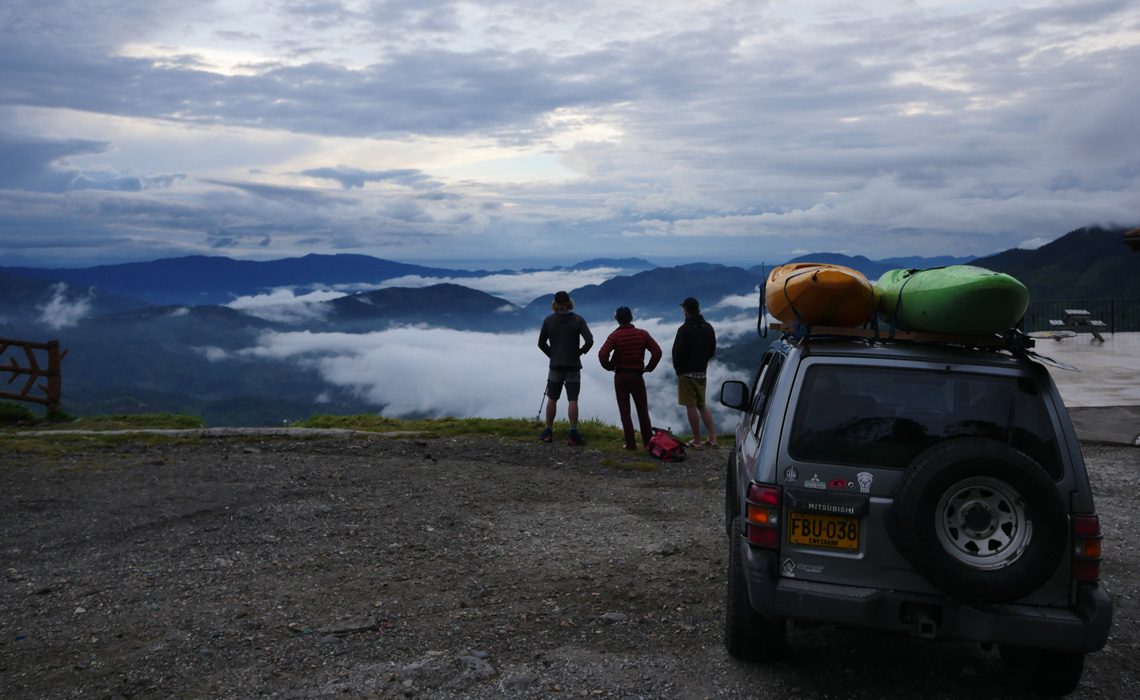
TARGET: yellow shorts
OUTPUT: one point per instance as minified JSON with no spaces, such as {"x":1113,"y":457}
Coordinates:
{"x":690,"y":391}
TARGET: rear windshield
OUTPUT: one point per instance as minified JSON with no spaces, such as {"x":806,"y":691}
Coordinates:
{"x":884,"y":417}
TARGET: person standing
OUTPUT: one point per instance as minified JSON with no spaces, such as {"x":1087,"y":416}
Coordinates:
{"x":693,"y":347}
{"x":558,"y":339}
{"x":623,"y":353}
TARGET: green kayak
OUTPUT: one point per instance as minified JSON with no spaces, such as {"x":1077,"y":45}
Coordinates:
{"x":957,"y":299}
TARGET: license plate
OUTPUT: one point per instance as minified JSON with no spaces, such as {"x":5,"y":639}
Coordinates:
{"x":829,"y":531}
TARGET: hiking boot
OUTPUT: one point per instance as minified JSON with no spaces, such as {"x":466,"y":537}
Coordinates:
{"x":575,"y":439}
{"x":546,"y":436}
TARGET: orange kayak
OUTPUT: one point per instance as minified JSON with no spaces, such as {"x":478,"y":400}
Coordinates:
{"x":819,"y":294}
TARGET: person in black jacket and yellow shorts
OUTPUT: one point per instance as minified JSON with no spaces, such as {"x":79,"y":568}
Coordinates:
{"x":693,"y":347}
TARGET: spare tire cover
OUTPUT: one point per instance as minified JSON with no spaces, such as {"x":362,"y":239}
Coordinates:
{"x":980,"y":520}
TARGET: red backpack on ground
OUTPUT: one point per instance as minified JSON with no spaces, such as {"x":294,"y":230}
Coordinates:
{"x":665,"y":447}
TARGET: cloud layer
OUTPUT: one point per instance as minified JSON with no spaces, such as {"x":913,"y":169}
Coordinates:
{"x":550,"y":132}
{"x":62,"y":311}
{"x":435,"y":372}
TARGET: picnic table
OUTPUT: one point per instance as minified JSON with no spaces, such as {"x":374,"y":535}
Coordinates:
{"x":1079,"y":321}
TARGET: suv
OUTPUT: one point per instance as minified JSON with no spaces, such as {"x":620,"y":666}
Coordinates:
{"x":929,"y":488}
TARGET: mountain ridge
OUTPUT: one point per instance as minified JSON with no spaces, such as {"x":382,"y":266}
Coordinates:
{"x":201,"y":279}
{"x":1048,"y":271}
{"x":128,"y":355}
{"x":1087,"y":263}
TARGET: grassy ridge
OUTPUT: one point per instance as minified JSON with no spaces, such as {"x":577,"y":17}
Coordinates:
{"x":519,"y":428}
{"x":599,"y":435}
{"x":21,"y":418}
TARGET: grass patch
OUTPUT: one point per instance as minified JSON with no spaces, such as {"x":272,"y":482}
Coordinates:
{"x":131,"y":421}
{"x":511,"y":428}
{"x":63,"y":443}
{"x":12,"y":413}
{"x":598,"y":434}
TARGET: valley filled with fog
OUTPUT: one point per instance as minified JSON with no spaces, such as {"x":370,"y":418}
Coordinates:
{"x":286,"y":353}
{"x":262,"y":343}
{"x":421,"y":371}
{"x":418,"y":370}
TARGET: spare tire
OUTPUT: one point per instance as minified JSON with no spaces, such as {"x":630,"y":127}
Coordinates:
{"x":980,"y":520}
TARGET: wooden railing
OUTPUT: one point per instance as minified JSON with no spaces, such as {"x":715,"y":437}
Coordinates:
{"x":1117,"y":315}
{"x":39,"y":369}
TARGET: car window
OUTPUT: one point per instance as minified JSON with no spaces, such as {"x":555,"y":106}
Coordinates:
{"x":762,"y":389}
{"x":875,"y":416}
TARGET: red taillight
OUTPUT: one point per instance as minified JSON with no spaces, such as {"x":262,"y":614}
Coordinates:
{"x":1086,"y":548}
{"x":763,"y":516}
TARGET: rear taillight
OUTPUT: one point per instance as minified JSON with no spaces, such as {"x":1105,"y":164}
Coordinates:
{"x":763,"y":516}
{"x":1086,"y":548}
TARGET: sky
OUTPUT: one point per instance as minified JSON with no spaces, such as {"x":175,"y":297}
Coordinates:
{"x":534,"y":132}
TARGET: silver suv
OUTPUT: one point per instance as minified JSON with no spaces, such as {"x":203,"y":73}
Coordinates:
{"x":924,"y":488}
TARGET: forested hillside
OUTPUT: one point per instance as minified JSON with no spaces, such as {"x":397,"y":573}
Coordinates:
{"x":1089,"y":263}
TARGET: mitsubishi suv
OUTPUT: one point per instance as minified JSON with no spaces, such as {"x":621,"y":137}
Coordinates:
{"x":935,"y":489}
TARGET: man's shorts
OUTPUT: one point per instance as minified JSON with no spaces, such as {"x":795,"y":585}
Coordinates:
{"x":691,"y":391}
{"x":572,"y":378}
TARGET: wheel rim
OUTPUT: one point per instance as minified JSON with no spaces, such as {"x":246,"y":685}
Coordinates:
{"x":983,"y":523}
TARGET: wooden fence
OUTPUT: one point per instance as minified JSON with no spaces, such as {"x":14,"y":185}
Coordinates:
{"x":37,"y":366}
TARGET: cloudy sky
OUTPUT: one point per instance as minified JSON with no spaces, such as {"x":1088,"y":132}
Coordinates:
{"x":539,"y":132}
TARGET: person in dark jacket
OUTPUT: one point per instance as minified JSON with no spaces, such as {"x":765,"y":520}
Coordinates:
{"x":558,"y":339}
{"x":623,"y":353}
{"x":693,"y":347}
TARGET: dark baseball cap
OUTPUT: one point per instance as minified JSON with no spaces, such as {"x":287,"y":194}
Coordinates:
{"x":561,"y":298}
{"x":691,"y":305}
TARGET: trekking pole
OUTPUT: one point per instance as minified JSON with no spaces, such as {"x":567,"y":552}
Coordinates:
{"x":538,"y":415}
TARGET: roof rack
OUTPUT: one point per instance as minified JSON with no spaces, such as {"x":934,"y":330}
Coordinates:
{"x":1012,"y":340}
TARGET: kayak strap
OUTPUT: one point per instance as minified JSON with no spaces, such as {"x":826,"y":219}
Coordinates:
{"x":910,"y":274}
{"x":788,"y":298}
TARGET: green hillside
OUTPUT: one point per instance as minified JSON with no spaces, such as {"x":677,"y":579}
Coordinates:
{"x":1089,"y":263}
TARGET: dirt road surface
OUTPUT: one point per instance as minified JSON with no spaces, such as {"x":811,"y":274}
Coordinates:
{"x":316,"y":566}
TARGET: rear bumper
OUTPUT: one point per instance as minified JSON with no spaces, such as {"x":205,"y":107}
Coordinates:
{"x":1082,"y":628}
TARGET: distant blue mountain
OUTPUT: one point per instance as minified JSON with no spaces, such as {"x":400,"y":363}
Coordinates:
{"x":923,"y":263}
{"x":620,"y":263}
{"x":657,"y":291}
{"x":447,"y":305}
{"x":200,"y":279}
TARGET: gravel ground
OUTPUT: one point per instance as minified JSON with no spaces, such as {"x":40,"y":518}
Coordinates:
{"x":312,"y":566}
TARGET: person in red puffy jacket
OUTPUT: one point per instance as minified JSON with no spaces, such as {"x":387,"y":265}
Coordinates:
{"x":623,"y":353}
